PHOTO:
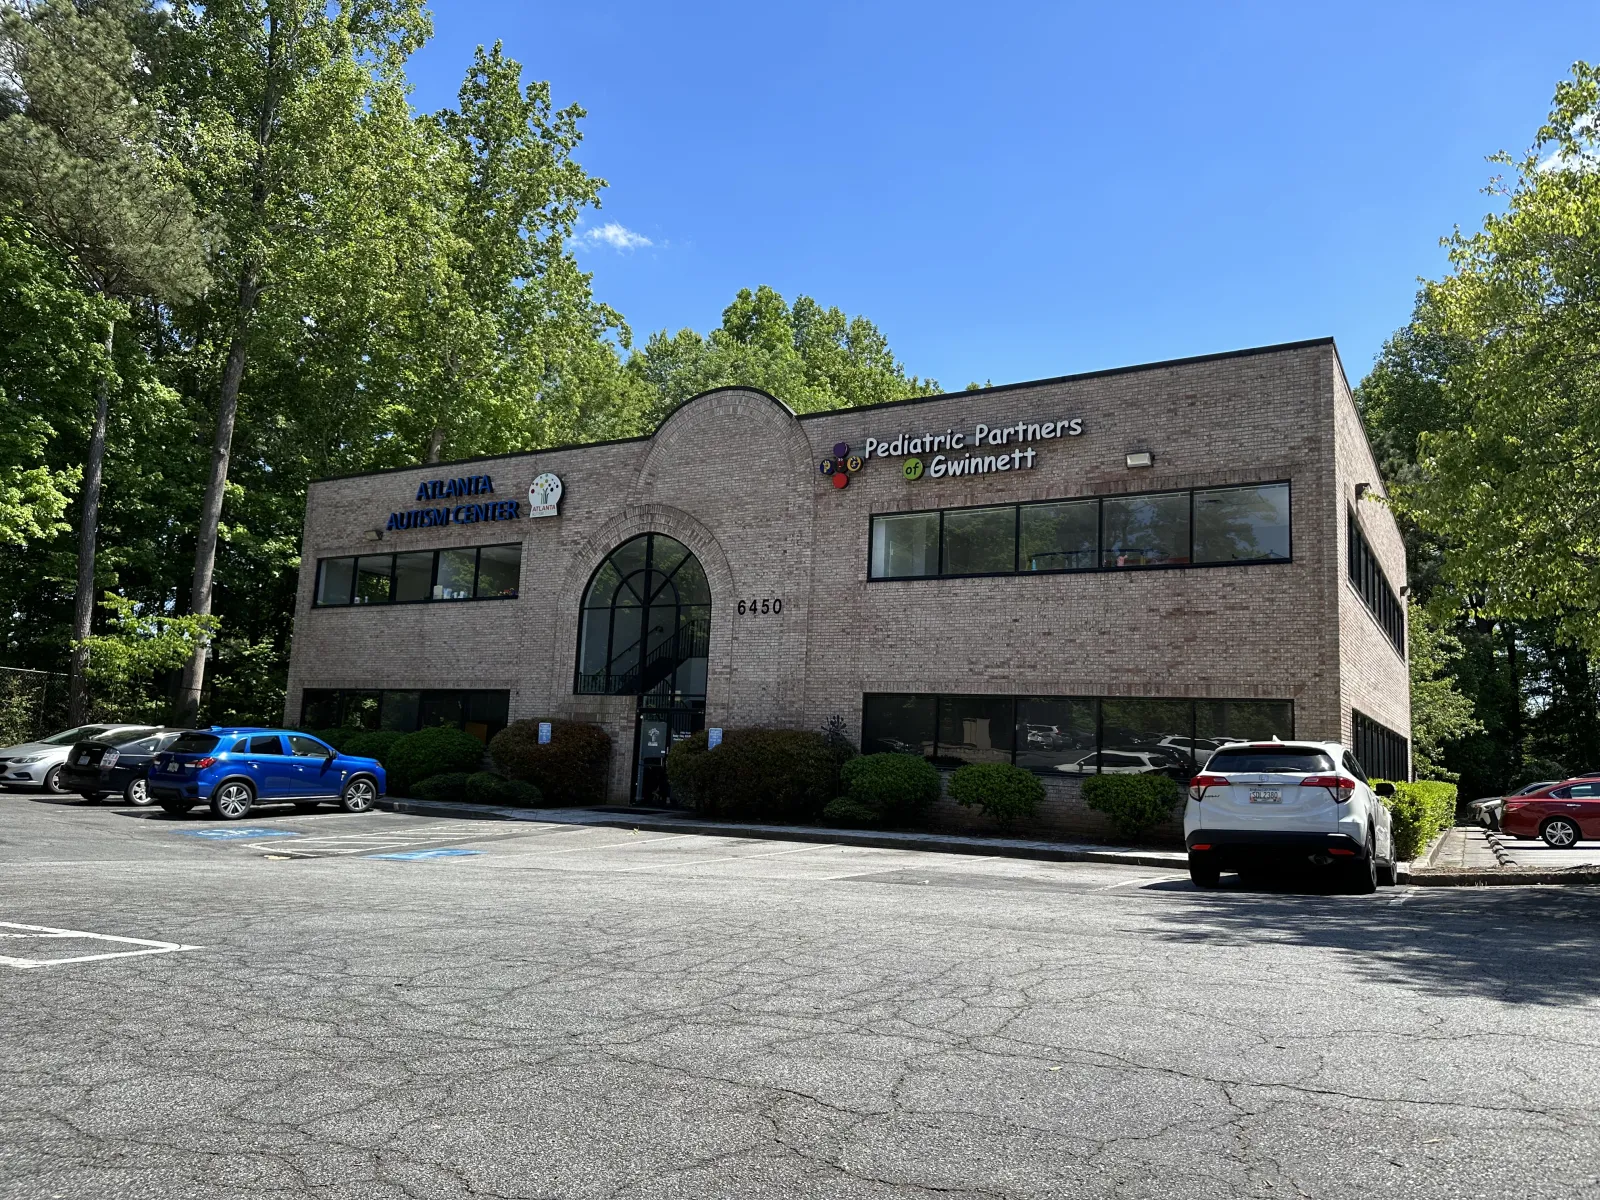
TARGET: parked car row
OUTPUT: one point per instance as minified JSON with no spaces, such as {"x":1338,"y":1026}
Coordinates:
{"x":231,"y":769}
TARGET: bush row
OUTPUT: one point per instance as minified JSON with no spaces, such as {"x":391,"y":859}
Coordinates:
{"x":1136,"y":804}
{"x":1420,"y":812}
{"x":758,"y":774}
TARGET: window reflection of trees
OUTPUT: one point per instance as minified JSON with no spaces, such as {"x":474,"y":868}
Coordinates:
{"x":1241,"y":524}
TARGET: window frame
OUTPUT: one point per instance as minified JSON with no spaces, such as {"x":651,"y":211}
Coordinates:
{"x":1098,"y":500}
{"x":433,"y":576}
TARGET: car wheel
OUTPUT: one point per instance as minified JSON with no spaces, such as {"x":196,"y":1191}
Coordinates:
{"x":1363,"y":875}
{"x":138,"y":793}
{"x":1389,"y":873}
{"x":359,"y":796}
{"x":1559,"y":833}
{"x":1203,"y":874}
{"x":175,"y":808}
{"x":52,"y":781}
{"x":232,"y":801}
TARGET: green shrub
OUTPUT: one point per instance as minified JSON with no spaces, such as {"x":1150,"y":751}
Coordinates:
{"x":371,"y":743}
{"x":842,"y":810}
{"x":569,"y":770}
{"x":1418,"y":813}
{"x":336,"y":737}
{"x":442,"y":750}
{"x":451,"y":787}
{"x":756,"y":774}
{"x":485,"y":787}
{"x":897,"y":788}
{"x":1001,"y":791}
{"x":1136,"y":804}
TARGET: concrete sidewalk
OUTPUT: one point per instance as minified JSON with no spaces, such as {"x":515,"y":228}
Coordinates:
{"x":1467,"y":856}
{"x":656,"y":820}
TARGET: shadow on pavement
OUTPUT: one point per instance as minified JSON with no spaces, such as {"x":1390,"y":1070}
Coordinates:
{"x":1532,"y":945}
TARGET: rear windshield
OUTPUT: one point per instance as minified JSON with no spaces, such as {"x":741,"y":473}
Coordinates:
{"x":1291,"y":760}
{"x":123,"y":736}
{"x":194,"y":743}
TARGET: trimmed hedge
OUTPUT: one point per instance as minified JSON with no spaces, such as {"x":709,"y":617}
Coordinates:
{"x":1001,"y":791}
{"x":337,"y":738}
{"x":569,"y":770}
{"x":449,"y":787}
{"x":442,"y":750}
{"x":1419,"y":812}
{"x":756,"y":774}
{"x":371,"y":743}
{"x":852,"y":814}
{"x":1136,"y":804}
{"x":485,"y":787}
{"x":897,"y":789}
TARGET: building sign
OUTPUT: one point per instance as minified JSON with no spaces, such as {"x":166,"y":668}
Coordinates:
{"x":544,"y":496}
{"x":468,"y":513}
{"x":544,"y":733}
{"x":955,"y":452}
{"x":713,"y":738}
{"x":842,"y":465}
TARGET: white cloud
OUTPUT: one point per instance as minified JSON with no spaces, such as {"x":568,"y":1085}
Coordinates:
{"x":618,"y":237}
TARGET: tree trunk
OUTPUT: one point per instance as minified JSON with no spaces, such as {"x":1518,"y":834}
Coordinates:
{"x":88,"y":528}
{"x":205,"y":549}
{"x":435,"y":444}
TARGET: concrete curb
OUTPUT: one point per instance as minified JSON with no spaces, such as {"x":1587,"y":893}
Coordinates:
{"x":1501,"y":877}
{"x":882,"y":840}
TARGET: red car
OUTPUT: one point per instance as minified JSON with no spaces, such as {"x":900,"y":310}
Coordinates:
{"x":1560,"y":813}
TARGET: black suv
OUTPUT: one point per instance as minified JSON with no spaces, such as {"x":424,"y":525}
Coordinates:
{"x":118,"y":762}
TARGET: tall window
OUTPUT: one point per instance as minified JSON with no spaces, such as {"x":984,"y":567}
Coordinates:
{"x":646,"y":622}
{"x":1383,"y":753}
{"x":1376,"y":594}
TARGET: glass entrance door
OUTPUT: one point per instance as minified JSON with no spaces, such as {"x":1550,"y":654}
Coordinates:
{"x":662,"y":723}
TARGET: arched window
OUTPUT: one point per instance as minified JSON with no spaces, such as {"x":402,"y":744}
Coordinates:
{"x":646,"y":622}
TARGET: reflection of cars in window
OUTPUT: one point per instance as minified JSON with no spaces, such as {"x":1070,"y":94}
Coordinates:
{"x":1046,"y":737}
{"x":1117,"y":762}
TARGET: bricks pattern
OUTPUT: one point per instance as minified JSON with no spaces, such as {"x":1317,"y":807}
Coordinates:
{"x":733,"y":475}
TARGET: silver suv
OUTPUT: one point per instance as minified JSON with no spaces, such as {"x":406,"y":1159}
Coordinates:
{"x":1260,"y":804}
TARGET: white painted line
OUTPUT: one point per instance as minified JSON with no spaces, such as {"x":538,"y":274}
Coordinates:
{"x":696,"y":862}
{"x":1141,"y":879}
{"x":1404,"y":896}
{"x":47,"y":933}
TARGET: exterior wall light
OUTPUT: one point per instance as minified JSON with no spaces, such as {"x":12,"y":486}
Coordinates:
{"x":1141,"y":458}
{"x":374,"y":535}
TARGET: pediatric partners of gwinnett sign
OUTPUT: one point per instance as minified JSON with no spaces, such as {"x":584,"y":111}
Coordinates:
{"x":544,"y":497}
{"x":954,"y":452}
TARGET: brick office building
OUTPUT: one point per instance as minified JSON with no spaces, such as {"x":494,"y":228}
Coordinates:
{"x":1109,"y":571}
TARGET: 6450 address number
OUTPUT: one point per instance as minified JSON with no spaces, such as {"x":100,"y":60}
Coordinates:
{"x":761,"y":608}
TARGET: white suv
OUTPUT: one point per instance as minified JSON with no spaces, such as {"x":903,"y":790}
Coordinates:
{"x":1259,"y":804}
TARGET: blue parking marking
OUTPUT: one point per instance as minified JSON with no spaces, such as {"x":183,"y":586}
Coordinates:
{"x":228,"y":835}
{"x":415,"y":855}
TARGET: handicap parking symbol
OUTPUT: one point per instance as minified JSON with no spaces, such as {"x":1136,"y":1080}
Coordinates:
{"x":229,"y":835}
{"x":419,"y":855}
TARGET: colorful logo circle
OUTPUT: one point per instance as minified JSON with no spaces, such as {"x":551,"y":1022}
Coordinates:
{"x":840,"y":449}
{"x":840,"y":480}
{"x":853,"y":463}
{"x":828,"y":466}
{"x":912,"y":468}
{"x":840,"y":465}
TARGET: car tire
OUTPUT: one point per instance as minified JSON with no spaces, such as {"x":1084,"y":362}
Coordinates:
{"x":233,"y":800}
{"x":1389,"y":873}
{"x":1560,"y":833}
{"x":137,"y":793}
{"x":175,"y":808}
{"x":360,"y":795}
{"x":1362,"y":875}
{"x":1204,"y":875}
{"x":52,"y":781}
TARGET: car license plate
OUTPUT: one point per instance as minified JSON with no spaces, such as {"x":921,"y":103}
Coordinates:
{"x":175,"y":768}
{"x":1266,"y":795}
{"x":83,"y":760}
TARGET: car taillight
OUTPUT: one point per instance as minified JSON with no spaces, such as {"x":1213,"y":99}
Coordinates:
{"x":203,"y":762}
{"x":1342,"y":788}
{"x":1199,"y":784}
{"x":109,"y":758}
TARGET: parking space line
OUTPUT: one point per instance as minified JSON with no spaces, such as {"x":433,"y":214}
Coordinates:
{"x":695,"y":862}
{"x":49,"y":933}
{"x":1141,"y":879}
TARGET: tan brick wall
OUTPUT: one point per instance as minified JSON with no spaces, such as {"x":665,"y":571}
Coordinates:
{"x":734,"y":476}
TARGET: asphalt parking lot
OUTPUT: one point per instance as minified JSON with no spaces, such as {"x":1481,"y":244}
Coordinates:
{"x":388,"y":1006}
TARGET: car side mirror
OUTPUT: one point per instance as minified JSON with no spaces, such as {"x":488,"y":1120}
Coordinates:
{"x":331,"y":755}
{"x":1384,"y":789}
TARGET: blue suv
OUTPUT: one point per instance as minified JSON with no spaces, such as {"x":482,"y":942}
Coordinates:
{"x":232,"y":769}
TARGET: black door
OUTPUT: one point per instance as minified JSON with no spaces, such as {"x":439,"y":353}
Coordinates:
{"x":661,"y":724}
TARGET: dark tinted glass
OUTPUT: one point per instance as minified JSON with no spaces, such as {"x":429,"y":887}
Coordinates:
{"x":1051,"y":733}
{"x":441,"y":708}
{"x":690,"y":580}
{"x":413,"y":576}
{"x":195,"y":743}
{"x":1217,"y":722}
{"x":898,"y":724}
{"x":360,"y":710}
{"x":146,"y":745}
{"x":319,"y":708}
{"x":124,"y":736}
{"x":266,"y":744}
{"x":488,"y":710}
{"x":302,"y":746}
{"x":499,"y":571}
{"x":1145,"y":531}
{"x":1238,"y":760}
{"x":335,"y":578}
{"x":457,"y":570}
{"x":401,"y":710}
{"x":373,"y":578}
{"x":1242,"y":524}
{"x":1060,"y":537}
{"x":905,"y":546}
{"x":975,"y":729}
{"x":979,"y":541}
{"x":1158,"y":731}
{"x":1585,"y":791}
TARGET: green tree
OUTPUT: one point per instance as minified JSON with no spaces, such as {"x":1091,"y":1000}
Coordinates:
{"x":1508,"y":472}
{"x":83,"y":165}
{"x":1439,"y":712}
{"x":812,"y":358}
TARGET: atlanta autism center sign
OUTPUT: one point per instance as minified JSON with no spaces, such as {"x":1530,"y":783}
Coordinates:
{"x":468,"y":512}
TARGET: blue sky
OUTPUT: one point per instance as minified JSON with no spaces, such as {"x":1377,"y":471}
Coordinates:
{"x":1014,"y":191}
